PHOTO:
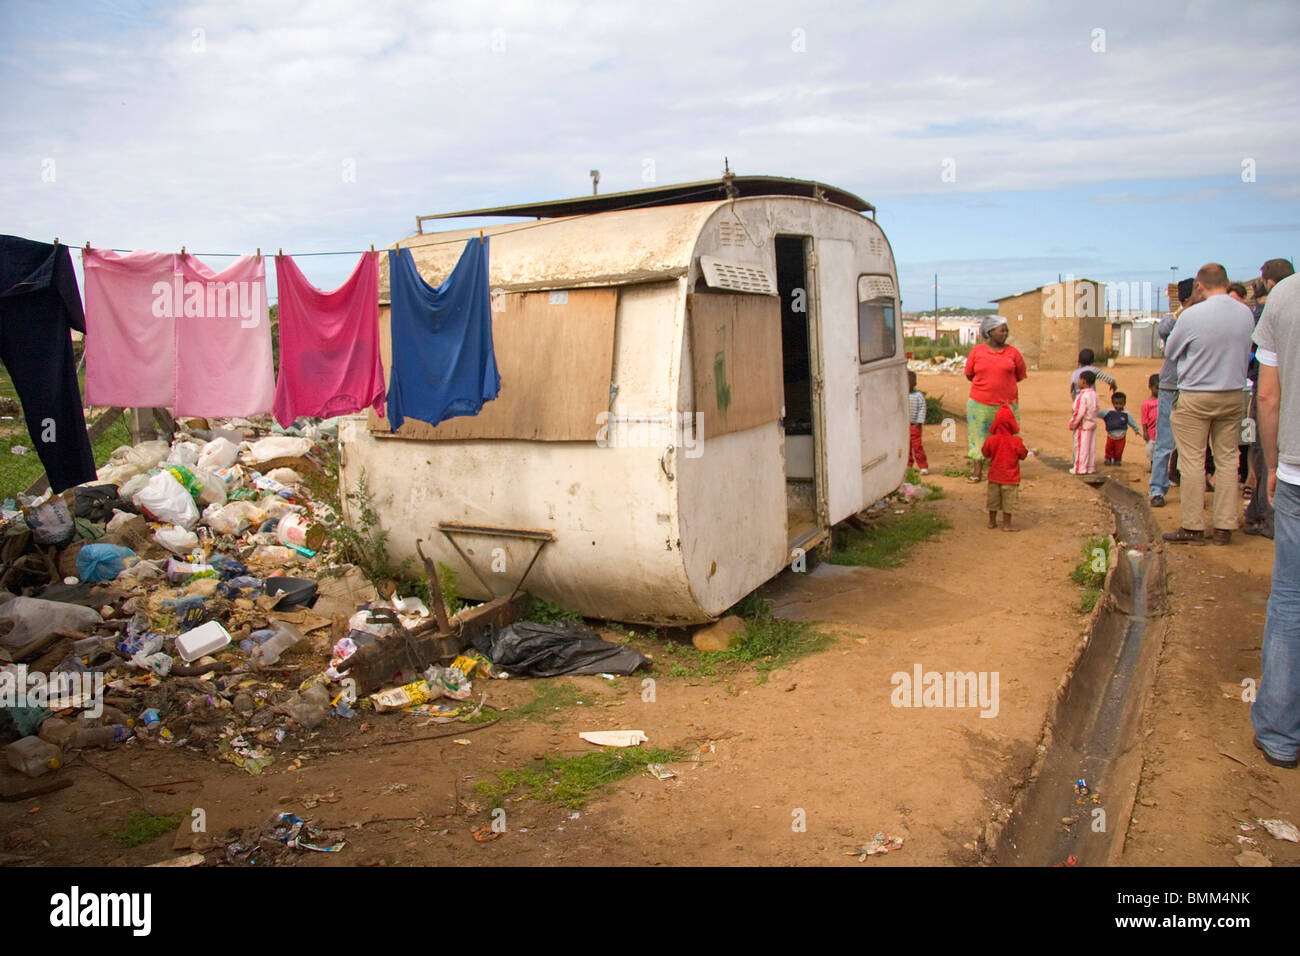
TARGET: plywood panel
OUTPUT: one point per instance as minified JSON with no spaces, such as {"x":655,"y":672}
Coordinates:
{"x":736,"y":360}
{"x":555,"y":358}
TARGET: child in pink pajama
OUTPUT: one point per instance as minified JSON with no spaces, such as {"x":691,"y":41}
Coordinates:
{"x":1084,"y":425}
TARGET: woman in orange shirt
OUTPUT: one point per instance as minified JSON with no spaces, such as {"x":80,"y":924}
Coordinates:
{"x":994,"y":369}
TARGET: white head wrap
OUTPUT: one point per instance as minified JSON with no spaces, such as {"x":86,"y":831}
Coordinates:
{"x":990,"y":323}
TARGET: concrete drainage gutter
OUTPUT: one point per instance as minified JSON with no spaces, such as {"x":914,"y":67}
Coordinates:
{"x":1093,"y":731}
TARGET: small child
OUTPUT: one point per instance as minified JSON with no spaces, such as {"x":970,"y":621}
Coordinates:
{"x":1086,"y":358}
{"x":916,"y":417}
{"x":1004,"y":450}
{"x":1150,"y":416}
{"x":1083,"y":422}
{"x":1118,"y":422}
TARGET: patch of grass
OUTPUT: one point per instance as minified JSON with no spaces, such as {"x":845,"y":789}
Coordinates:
{"x":1090,"y":573}
{"x":571,"y":781}
{"x":886,"y":543}
{"x":19,"y":472}
{"x":956,"y":472}
{"x":548,"y":612}
{"x":913,"y":477}
{"x":450,"y":589}
{"x":366,"y":545}
{"x":142,"y":828}
{"x":769,"y":643}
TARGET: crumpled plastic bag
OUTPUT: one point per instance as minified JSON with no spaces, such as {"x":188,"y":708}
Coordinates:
{"x":216,"y":454}
{"x":530,"y":649}
{"x":183,"y":453}
{"x":102,"y":562}
{"x":165,"y":499}
{"x":233,"y":518}
{"x":174,"y":539}
{"x":35,"y":618}
{"x":127,"y":462}
{"x":278,"y":446}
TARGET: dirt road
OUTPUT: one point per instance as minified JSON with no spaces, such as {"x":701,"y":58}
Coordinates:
{"x":801,"y":767}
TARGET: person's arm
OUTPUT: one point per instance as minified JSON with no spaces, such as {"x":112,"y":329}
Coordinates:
{"x":1022,"y":371}
{"x":1270,"y":403}
{"x":1023,"y":451}
{"x":1074,"y":414}
{"x":970,"y":364}
{"x":1105,"y":377}
{"x":1133,"y":423}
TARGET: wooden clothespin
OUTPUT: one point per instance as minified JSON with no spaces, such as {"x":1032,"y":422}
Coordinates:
{"x":85,"y":249}
{"x":182,"y":252}
{"x":372,"y":247}
{"x":259,"y":253}
{"x":56,"y":240}
{"x":280,"y":254}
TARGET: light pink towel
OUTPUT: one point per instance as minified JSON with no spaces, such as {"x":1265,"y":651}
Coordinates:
{"x":329,"y":344}
{"x":166,"y":331}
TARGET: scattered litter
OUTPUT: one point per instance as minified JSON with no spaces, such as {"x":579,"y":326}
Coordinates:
{"x":659,"y":771}
{"x":881,"y":843}
{"x":1281,"y":830}
{"x":614,"y":738}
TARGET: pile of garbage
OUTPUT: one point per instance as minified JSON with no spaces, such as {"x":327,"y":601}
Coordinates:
{"x":191,"y":596}
{"x":954,"y":365}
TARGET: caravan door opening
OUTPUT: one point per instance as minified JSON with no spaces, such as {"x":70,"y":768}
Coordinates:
{"x":796,"y":359}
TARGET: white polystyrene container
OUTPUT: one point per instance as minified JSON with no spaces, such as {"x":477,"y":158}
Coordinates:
{"x":204,"y":639}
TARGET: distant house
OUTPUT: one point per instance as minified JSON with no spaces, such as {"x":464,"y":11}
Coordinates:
{"x":964,"y":330}
{"x":1050,"y":324}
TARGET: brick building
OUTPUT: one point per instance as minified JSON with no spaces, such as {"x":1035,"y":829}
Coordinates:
{"x":1050,"y":324}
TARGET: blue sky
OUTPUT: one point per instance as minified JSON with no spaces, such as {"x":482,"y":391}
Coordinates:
{"x":1113,"y":141}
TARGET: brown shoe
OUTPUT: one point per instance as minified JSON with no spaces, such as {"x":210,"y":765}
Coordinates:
{"x":1221,"y":536}
{"x":1185,"y":536}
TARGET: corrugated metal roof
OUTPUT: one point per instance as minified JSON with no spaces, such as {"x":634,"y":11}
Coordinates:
{"x":702,"y":191}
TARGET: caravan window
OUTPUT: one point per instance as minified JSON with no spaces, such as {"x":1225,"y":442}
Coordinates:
{"x":877,"y":319}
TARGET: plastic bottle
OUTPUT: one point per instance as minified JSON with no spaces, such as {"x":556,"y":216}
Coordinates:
{"x":32,"y":756}
{"x":268,"y":652}
{"x":56,"y":731}
{"x":97,"y":736}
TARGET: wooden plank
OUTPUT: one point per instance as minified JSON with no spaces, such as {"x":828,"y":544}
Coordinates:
{"x":555,"y":359}
{"x":735,"y":361}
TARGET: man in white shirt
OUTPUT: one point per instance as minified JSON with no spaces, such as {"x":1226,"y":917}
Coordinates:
{"x":1275,"y":713}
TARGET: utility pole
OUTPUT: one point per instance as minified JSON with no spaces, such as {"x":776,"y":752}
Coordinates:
{"x":936,"y":308}
{"x":595,"y":179}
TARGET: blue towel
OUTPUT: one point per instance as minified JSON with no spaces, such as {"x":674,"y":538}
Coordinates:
{"x":443,"y":361}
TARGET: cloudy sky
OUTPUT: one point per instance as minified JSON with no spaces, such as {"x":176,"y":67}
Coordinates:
{"x":1003,"y":143}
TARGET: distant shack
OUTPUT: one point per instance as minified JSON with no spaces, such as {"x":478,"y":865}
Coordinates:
{"x":1050,"y":324}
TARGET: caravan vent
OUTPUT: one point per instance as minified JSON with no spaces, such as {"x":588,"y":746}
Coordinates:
{"x":730,"y":233}
{"x":877,"y":246}
{"x":736,"y":276}
{"x":875,"y":287}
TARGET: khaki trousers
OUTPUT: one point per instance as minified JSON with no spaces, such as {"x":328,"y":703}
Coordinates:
{"x":1213,"y":418}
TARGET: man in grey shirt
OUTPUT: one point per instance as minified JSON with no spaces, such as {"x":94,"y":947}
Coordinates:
{"x":1275,"y":713}
{"x":1210,"y":350}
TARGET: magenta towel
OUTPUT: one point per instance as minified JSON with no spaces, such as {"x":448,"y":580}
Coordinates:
{"x":165,"y":331}
{"x":329,"y":344}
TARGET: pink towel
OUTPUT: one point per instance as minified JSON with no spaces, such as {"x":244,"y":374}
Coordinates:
{"x":329,"y":344}
{"x":166,"y":331}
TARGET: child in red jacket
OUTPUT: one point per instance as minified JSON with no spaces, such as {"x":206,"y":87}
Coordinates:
{"x":1004,"y":450}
